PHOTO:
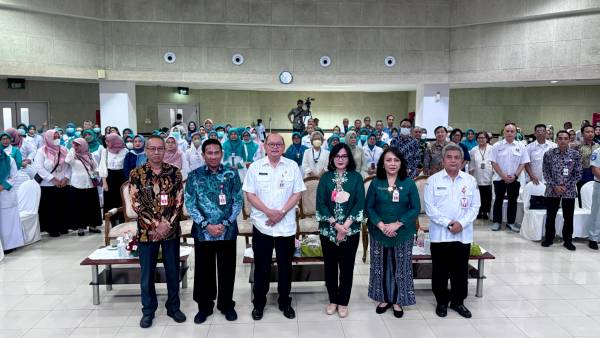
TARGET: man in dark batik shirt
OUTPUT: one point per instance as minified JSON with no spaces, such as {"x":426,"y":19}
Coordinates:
{"x":156,"y":191}
{"x":409,"y":148}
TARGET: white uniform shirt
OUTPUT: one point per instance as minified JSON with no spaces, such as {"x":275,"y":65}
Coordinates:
{"x":536,"y":153}
{"x":371,"y":157}
{"x":449,"y":200}
{"x":274,"y":187}
{"x":111,"y":161}
{"x":80,"y":178}
{"x":194,"y":157}
{"x":43,"y":166}
{"x":478,"y":157}
{"x":508,"y":156}
{"x":315,"y":162}
{"x":8,"y":198}
{"x":595,"y":159}
{"x":306,"y":141}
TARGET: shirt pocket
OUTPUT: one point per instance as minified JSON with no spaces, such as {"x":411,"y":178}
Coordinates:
{"x":263,"y":183}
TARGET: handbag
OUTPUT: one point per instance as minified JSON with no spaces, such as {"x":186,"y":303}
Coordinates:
{"x":96,"y":181}
{"x":39,"y":178}
{"x":537,"y":203}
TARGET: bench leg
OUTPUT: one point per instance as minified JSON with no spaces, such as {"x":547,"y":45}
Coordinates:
{"x":480,"y":278}
{"x":109,"y":278}
{"x":95,"y":286}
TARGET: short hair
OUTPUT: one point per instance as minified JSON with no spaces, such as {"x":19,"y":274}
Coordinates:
{"x":587,"y":126}
{"x":382,"y":174}
{"x":274,"y":134}
{"x":484,"y":133}
{"x":378,"y":121}
{"x":318,"y":134}
{"x":539,"y":125}
{"x":367,"y":117}
{"x":333,"y":153}
{"x":562,"y":131}
{"x":510,"y":124}
{"x":154,"y":137}
{"x":455,"y":131}
{"x":388,"y":116}
{"x":452,"y":147}
{"x":359,"y":120}
{"x":299,"y":101}
{"x":406,"y":120}
{"x":209,"y":142}
{"x":439,"y":127}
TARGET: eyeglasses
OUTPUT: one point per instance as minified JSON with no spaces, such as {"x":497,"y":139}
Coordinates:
{"x":275,"y":145}
{"x":156,"y":149}
{"x":341,"y":157}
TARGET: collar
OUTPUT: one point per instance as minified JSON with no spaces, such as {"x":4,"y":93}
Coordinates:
{"x":208,"y":172}
{"x":266,"y":162}
{"x":461,"y":174}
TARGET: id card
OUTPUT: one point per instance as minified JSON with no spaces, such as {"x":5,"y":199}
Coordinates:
{"x":222,"y":199}
{"x":482,"y":166}
{"x":565,"y":171}
{"x":464,"y":203}
{"x":164,"y":199}
{"x":396,"y":196}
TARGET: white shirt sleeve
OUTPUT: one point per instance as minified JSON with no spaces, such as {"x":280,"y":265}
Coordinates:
{"x":250,"y":179}
{"x":102,"y":169}
{"x":38,"y":164}
{"x":437,"y":217}
{"x":299,"y":185}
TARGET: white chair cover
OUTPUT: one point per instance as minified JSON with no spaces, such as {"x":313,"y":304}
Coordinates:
{"x":520,"y":207}
{"x":1,"y":252}
{"x":581,"y":216}
{"x":29,"y":194}
{"x":587,"y":190}
{"x":532,"y":227}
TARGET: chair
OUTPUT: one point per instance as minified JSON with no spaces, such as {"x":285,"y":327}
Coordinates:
{"x":307,"y":224}
{"x":422,"y":219}
{"x":186,"y":224}
{"x":532,"y":227}
{"x":581,"y":216}
{"x":244,"y":223}
{"x":364,"y":230}
{"x":28,"y":195}
{"x":520,"y":206}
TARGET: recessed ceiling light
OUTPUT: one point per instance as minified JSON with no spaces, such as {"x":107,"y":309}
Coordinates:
{"x":554,"y":81}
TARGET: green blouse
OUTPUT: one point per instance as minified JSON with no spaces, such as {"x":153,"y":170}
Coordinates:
{"x":351,"y":182}
{"x":379,"y":207}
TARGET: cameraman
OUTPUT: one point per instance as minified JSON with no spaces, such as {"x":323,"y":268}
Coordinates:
{"x":298,"y":115}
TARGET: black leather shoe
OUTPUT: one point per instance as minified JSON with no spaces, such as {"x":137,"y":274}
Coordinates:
{"x":382,"y":309}
{"x":201,"y":316}
{"x":257,"y":313}
{"x":546,"y":243}
{"x":398,"y":313}
{"x":593,"y":245}
{"x":94,"y":230}
{"x":230,"y":315}
{"x":441,"y":310}
{"x":177,"y":316}
{"x":288,"y":311}
{"x":569,"y":246}
{"x":146,"y":321}
{"x":462,"y":310}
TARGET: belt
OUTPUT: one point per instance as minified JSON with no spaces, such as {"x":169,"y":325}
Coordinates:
{"x":596,"y":181}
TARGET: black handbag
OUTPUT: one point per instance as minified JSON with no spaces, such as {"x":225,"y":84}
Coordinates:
{"x":39,"y":178}
{"x":537,"y":203}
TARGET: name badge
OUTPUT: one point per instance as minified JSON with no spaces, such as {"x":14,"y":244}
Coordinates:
{"x":396,"y":196}
{"x":164,"y":199}
{"x":565,"y":171}
{"x":482,"y":166}
{"x":464,"y":203}
{"x":222,"y":199}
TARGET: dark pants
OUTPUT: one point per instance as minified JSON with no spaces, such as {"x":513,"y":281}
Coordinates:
{"x":568,"y":208}
{"x":207,"y":253}
{"x":450,"y":259}
{"x":340,"y":257}
{"x":512,"y":190}
{"x":586,"y":176}
{"x":485,"y":191}
{"x":263,"y":252}
{"x":148,"y":253}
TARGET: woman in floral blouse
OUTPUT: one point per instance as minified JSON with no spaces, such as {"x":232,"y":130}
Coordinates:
{"x":340,"y":203}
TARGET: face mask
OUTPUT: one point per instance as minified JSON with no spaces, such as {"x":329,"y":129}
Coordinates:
{"x":253,"y":136}
{"x":220,"y":134}
{"x":129,"y":145}
{"x":423,"y":136}
{"x":56,"y":142}
{"x":363,"y":138}
{"x":70,"y":131}
{"x":97,"y":130}
{"x":342,"y":139}
{"x":77,"y":134}
{"x":22,"y":132}
{"x":176,"y":135}
{"x":197,"y":143}
{"x":316,"y":143}
{"x":405,"y":131}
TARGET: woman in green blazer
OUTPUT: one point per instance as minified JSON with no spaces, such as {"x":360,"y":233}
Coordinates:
{"x":340,"y":203}
{"x":392,"y":206}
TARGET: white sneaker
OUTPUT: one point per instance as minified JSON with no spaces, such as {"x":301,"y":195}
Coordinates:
{"x":513,"y":227}
{"x":495,"y":227}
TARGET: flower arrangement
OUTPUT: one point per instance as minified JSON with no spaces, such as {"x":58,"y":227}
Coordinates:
{"x":132,"y":245}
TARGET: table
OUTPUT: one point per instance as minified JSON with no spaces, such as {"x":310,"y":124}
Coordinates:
{"x":310,"y":269}
{"x":126,"y":275}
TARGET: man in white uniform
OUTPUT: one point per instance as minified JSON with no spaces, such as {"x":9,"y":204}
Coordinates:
{"x":536,"y":151}
{"x":594,"y":229}
{"x":452,"y":202}
{"x":273,"y":186}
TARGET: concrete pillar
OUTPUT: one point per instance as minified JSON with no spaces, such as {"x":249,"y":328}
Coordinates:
{"x":117,"y":104}
{"x":432,"y":108}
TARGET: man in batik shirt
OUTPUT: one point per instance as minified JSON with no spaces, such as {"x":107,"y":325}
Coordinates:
{"x":409,"y":148}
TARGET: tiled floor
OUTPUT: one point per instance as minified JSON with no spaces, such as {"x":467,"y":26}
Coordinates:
{"x":530,"y":292}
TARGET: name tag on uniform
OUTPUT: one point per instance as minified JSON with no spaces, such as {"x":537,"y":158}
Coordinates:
{"x":482,"y":165}
{"x":517,"y":152}
{"x":222,"y":199}
{"x":396,"y":196}
{"x":565,"y":171}
{"x":464,"y":202}
{"x":164,"y":199}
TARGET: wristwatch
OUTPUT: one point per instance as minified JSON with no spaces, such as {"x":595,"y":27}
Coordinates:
{"x":225,"y":223}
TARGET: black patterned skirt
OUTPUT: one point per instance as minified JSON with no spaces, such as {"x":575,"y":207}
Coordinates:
{"x":390,"y":278}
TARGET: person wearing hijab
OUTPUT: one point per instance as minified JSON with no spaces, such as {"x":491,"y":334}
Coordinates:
{"x":27,"y":150}
{"x":363,"y":136}
{"x":36,"y":138}
{"x":11,"y":233}
{"x":371,"y":154}
{"x":214,"y":135}
{"x":6,"y":140}
{"x":127,"y":132}
{"x":55,"y":174}
{"x":295,"y":151}
{"x":110,"y":170}
{"x":69,"y":135}
{"x":191,"y":130}
{"x":470,"y":141}
{"x":14,"y":147}
{"x":174,"y":156}
{"x":332,"y":141}
{"x":94,"y":145}
{"x":85,"y":204}
{"x":250,"y":149}
{"x":221,"y":133}
{"x":357,"y":151}
{"x":232,"y":149}
{"x":316,"y":158}
{"x":136,"y":156}
{"x":194,"y":153}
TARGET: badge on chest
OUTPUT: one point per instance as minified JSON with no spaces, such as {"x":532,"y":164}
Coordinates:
{"x":164,"y":200}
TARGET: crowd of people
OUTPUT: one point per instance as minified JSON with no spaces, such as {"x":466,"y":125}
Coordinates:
{"x":208,"y":168}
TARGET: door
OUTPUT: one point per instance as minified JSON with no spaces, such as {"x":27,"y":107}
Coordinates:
{"x":168,"y":112}
{"x":7,"y":120}
{"x":15,"y":113}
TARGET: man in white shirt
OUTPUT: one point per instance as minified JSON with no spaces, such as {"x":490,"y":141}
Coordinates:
{"x":452,"y":202}
{"x":384,"y":136}
{"x":306,"y":139}
{"x":536,"y":151}
{"x":594,"y":229}
{"x":508,"y":160}
{"x":273,"y":186}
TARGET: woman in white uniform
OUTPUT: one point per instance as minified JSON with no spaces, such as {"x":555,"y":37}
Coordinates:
{"x":316,"y":158}
{"x":194,"y":152}
{"x":11,"y":233}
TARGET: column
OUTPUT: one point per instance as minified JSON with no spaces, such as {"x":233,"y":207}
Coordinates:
{"x":117,"y":104}
{"x":432,"y":106}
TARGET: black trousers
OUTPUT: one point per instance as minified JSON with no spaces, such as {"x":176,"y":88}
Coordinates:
{"x":148,"y":252}
{"x":263,"y":245}
{"x":512,"y":190}
{"x":485,"y":191}
{"x":568,"y":208}
{"x":450,"y":260}
{"x":214,"y":257}
{"x":339,"y":257}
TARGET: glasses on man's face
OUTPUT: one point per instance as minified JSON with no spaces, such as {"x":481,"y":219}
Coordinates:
{"x":156,"y":149}
{"x":341,"y":157}
{"x":275,"y":145}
